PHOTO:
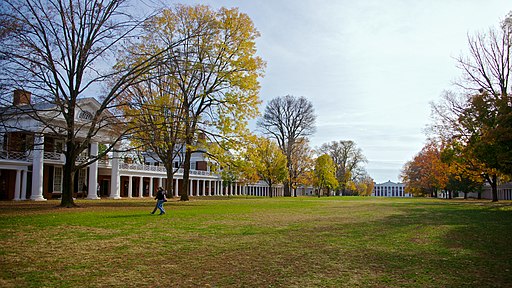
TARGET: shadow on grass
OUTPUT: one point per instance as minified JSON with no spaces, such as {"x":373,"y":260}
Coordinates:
{"x":447,"y":245}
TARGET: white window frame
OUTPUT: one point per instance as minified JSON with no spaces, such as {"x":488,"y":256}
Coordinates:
{"x":57,"y":179}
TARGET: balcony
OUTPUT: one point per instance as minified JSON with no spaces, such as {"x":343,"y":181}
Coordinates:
{"x":141,"y":167}
{"x":52,"y":157}
{"x":14,"y":156}
{"x":159,"y":169}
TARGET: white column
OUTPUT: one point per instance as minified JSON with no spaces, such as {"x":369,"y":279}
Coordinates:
{"x":115,"y":193}
{"x":160,"y":182}
{"x":151,"y":187}
{"x":17,"y":186}
{"x":23,"y":185}
{"x":190,"y":191}
{"x":37,"y":168}
{"x":209,"y":187}
{"x":204,"y":188}
{"x":176,"y":192}
{"x":141,"y":187}
{"x":197,"y":188}
{"x":93,"y":174}
{"x":130,"y":186}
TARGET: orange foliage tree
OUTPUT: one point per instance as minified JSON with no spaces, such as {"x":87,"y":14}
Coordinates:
{"x":426,"y":174}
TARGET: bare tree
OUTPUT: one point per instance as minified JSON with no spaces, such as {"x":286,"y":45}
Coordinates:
{"x":348,"y":159}
{"x":58,"y":51}
{"x":286,"y":119}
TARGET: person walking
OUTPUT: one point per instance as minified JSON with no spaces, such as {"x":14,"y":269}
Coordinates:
{"x":160,"y":199}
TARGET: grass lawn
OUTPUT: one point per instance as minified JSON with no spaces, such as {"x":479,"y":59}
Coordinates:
{"x":257,"y":242}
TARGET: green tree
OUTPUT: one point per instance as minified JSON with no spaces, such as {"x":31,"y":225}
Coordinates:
{"x":324,"y":174}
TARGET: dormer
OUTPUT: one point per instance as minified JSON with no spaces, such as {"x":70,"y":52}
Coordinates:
{"x":86,"y":109}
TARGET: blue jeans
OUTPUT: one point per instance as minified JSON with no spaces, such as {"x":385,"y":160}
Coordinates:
{"x":160,"y":206}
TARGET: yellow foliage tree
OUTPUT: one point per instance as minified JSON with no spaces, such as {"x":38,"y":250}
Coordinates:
{"x":268,"y":161}
{"x":209,"y":57}
{"x":324,"y":174}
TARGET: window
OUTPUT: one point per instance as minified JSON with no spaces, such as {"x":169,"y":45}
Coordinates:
{"x":58,"y":145}
{"x":81,"y":180}
{"x":85,"y":115}
{"x":57,"y":180}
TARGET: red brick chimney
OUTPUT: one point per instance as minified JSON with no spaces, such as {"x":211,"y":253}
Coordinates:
{"x":21,"y":97}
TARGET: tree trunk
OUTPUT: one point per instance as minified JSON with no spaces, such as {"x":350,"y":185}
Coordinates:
{"x":465,"y":195}
{"x":186,"y":176}
{"x":287,"y":190}
{"x":68,"y":177}
{"x":494,"y":188}
{"x":170,"y":180}
{"x":493,"y":181}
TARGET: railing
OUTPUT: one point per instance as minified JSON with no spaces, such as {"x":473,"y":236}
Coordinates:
{"x":16,"y":156}
{"x":141,"y":167}
{"x":57,"y":156}
{"x":104,"y":162}
{"x":82,"y":157}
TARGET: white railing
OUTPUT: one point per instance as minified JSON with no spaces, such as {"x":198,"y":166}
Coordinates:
{"x":141,"y":167}
{"x":17,"y":156}
{"x":198,"y":172}
{"x":57,"y":156}
{"x":82,"y":157}
{"x":151,"y":168}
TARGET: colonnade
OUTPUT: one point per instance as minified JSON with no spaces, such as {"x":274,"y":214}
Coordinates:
{"x":197,"y":187}
{"x":209,"y":185}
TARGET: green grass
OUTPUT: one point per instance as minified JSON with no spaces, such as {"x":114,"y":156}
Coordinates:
{"x":257,"y":242}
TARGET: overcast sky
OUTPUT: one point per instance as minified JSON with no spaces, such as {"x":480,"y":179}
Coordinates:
{"x":370,"y":67}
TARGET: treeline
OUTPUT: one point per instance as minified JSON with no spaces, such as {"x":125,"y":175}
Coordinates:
{"x":470,"y":137}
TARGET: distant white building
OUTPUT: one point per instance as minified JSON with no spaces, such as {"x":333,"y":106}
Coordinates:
{"x":390,"y":189}
{"x":504,"y":192}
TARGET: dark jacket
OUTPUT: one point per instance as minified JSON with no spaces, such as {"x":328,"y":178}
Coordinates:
{"x":160,"y":195}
